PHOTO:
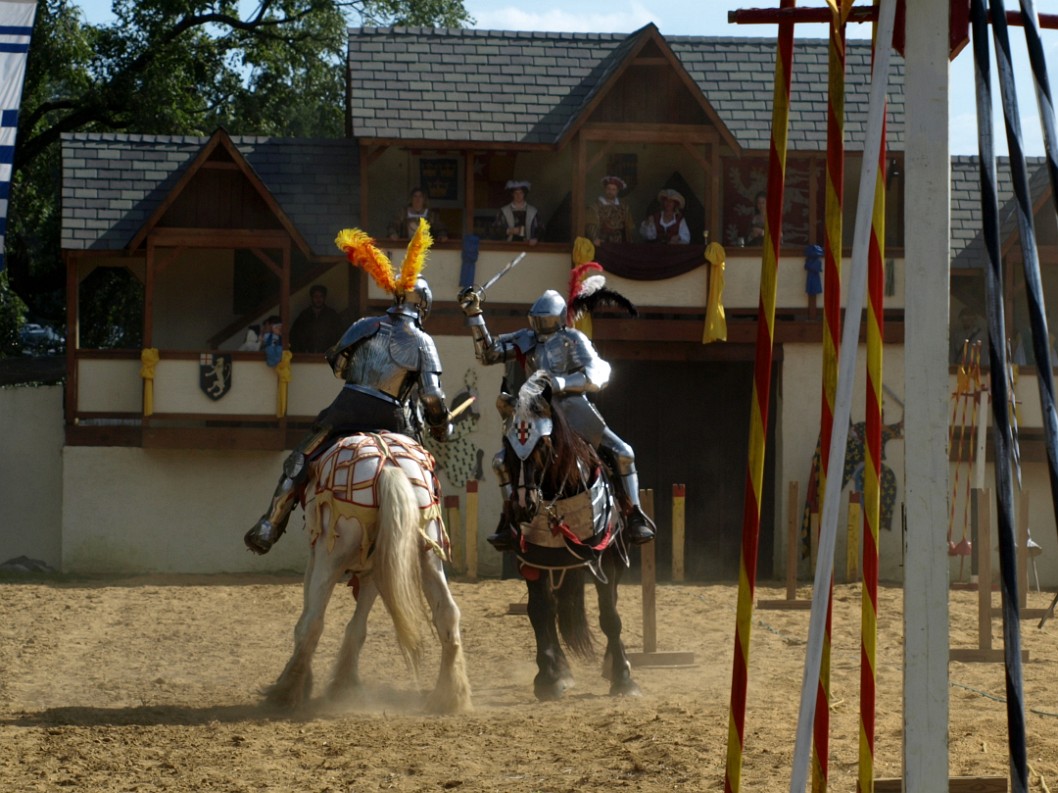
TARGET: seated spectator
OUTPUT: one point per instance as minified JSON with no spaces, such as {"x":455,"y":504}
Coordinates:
{"x":517,"y":221}
{"x":252,"y":342}
{"x":318,"y":326}
{"x":667,"y":224}
{"x":407,"y":220}
{"x":272,"y":339}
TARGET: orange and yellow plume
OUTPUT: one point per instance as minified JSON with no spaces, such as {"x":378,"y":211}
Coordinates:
{"x":361,"y":251}
{"x":415,"y":258}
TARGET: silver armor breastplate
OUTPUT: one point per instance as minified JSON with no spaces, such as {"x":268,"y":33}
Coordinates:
{"x":372,"y":364}
{"x":555,"y":354}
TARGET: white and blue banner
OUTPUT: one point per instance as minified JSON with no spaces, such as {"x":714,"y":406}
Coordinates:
{"x":16,"y":25}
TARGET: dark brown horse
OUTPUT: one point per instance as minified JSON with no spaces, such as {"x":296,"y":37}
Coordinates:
{"x":564,"y":507}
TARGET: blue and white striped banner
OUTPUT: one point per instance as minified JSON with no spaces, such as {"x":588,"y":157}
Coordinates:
{"x":16,"y":25}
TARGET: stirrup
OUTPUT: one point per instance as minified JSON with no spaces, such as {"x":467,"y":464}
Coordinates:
{"x":503,"y":538}
{"x":639,"y":527}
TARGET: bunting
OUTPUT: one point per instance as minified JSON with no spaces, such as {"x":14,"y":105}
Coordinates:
{"x":16,"y":25}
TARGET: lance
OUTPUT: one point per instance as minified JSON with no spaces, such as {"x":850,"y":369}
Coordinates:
{"x":997,"y":349}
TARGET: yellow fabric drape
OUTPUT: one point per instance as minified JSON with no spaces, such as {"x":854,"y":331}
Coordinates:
{"x":282,"y":378}
{"x":715,"y":321}
{"x":583,"y":252}
{"x":149,"y":358}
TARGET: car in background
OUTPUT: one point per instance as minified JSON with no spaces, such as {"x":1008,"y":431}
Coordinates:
{"x":39,"y":339}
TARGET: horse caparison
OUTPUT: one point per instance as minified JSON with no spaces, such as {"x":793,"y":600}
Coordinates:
{"x":559,"y":467}
{"x":372,"y":510}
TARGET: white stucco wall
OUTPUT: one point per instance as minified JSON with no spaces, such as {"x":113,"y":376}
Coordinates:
{"x":802,"y":376}
{"x":128,"y":510}
{"x":31,"y":449}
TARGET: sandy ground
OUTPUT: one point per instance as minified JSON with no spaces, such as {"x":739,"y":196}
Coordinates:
{"x":154,"y":685}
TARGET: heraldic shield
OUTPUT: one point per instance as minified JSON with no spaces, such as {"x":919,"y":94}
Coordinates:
{"x":214,"y":374}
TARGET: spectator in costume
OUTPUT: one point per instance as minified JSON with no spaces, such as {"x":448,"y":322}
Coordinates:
{"x":756,"y":224}
{"x":608,"y":219}
{"x":407,"y":220}
{"x":318,"y":326}
{"x":667,"y":224}
{"x":518,"y":221}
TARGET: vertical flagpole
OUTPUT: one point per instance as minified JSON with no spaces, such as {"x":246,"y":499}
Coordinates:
{"x":1019,"y":780}
{"x":843,"y":401}
{"x":832,"y":248}
{"x":1031,"y":23}
{"x":759,"y":410}
{"x":872,"y":474}
{"x":16,"y":27}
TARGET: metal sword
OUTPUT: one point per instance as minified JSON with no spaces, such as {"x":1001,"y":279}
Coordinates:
{"x":506,"y":269}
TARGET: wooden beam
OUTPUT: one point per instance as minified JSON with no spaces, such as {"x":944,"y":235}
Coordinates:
{"x":650,"y":133}
{"x":172,"y":237}
{"x":73,"y":340}
{"x":580,"y":171}
{"x":957,"y":784}
{"x":268,"y":262}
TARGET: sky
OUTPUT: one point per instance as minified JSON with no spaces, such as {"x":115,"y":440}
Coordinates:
{"x":709,"y":18}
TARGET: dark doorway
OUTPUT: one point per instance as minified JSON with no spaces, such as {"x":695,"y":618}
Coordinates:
{"x":689,"y":423}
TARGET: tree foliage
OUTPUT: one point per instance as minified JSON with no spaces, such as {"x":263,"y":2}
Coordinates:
{"x":176,"y":67}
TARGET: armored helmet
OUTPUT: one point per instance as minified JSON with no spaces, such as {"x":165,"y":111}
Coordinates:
{"x":548,"y":313}
{"x":415,"y":302}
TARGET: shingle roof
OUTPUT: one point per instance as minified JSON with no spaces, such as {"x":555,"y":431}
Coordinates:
{"x":112,"y":183}
{"x":967,"y":241}
{"x":528,"y":87}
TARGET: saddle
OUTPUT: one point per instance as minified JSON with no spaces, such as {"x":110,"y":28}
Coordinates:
{"x":346,"y":483}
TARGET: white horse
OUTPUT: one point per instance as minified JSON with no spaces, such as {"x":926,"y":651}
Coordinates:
{"x":373,"y":510}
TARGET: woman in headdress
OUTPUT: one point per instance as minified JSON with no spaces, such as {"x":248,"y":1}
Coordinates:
{"x":668,"y":223}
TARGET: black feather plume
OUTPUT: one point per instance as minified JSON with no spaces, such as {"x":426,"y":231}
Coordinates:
{"x":590,"y":303}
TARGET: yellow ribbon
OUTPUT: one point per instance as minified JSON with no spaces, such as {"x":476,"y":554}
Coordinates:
{"x":283,"y":373}
{"x":715,"y":321}
{"x":149,"y":358}
{"x":583,"y":251}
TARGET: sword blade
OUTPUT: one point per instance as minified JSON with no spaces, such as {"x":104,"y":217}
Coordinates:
{"x":507,"y":268}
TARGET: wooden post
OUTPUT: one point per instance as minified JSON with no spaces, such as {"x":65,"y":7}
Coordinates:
{"x":648,"y":575}
{"x":679,"y":518}
{"x":982,"y":514}
{"x":852,"y":541}
{"x":471,"y":533}
{"x":455,"y":534}
{"x":793,"y":544}
{"x":1023,"y":550}
{"x":792,"y":540}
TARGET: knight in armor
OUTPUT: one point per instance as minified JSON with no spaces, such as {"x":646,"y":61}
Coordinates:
{"x":576,"y":370}
{"x":392,"y":375}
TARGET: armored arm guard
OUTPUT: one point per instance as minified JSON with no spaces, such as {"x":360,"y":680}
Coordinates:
{"x":587,"y":372}
{"x":431,"y":395}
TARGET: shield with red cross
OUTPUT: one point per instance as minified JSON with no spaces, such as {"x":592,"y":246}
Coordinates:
{"x":525,"y":433}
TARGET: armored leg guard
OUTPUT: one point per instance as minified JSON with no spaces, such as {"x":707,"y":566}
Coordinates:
{"x":503,"y":539}
{"x":270,"y":526}
{"x":639,"y":528}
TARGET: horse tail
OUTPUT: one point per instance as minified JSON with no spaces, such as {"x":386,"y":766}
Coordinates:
{"x":572,"y":617}
{"x":397,"y":572}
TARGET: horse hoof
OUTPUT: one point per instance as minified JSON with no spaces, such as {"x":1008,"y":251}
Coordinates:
{"x":556,"y":689}
{"x":625,"y":688}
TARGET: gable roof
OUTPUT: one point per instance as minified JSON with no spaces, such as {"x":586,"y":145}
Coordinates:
{"x":488,"y":86}
{"x":967,"y":237}
{"x":113,"y":184}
